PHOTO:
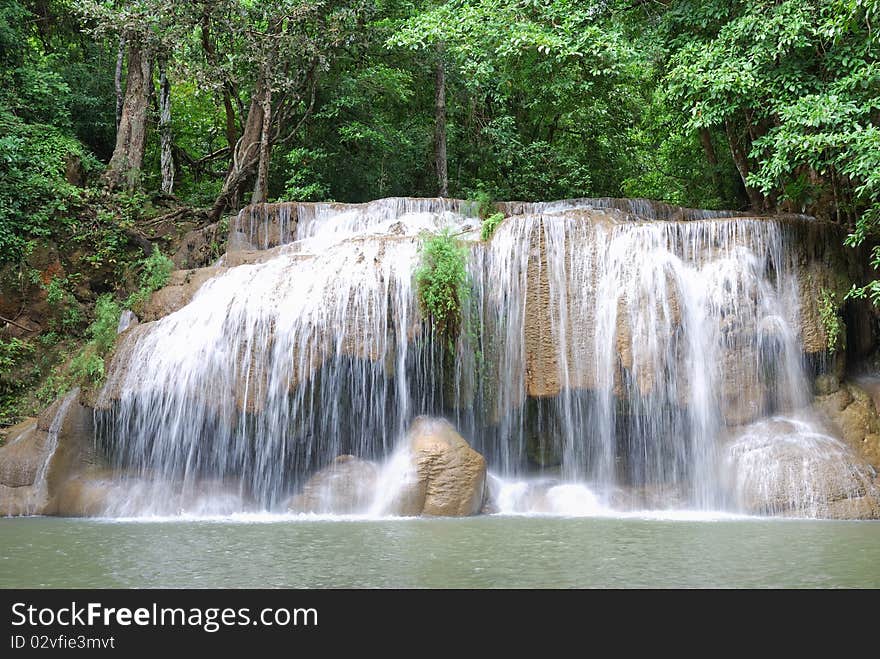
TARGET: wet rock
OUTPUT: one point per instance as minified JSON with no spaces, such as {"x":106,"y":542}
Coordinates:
{"x":86,"y":495}
{"x":851,"y":412}
{"x":790,"y":467}
{"x":23,"y":458}
{"x":451,"y":476}
{"x":22,"y":454}
{"x":826,"y":383}
{"x":182,"y":286}
{"x":346,"y":486}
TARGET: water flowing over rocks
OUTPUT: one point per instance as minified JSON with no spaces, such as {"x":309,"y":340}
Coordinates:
{"x":346,"y":486}
{"x":615,"y":344}
{"x":784,"y":466}
{"x":435,"y":472}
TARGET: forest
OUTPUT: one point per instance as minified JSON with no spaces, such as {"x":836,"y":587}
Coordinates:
{"x":124,"y":123}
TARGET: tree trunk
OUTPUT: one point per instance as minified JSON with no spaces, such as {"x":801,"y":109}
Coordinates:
{"x":128,"y":155}
{"x":440,"y":127}
{"x":756,"y":200}
{"x":166,"y":155}
{"x":261,"y":185}
{"x":117,"y":79}
{"x":245,"y":155}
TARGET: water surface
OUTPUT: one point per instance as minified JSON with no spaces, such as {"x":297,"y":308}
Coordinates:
{"x":485,"y":552}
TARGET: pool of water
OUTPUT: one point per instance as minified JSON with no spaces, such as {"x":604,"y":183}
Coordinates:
{"x":482,"y":552}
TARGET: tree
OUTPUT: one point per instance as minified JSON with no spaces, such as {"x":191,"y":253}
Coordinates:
{"x":146,"y":28}
{"x":288,"y":45}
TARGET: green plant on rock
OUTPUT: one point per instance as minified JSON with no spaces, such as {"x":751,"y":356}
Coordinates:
{"x":87,"y":366}
{"x":156,"y":270}
{"x":65,"y":304}
{"x":490,"y":224}
{"x":831,"y":320}
{"x":441,"y":281}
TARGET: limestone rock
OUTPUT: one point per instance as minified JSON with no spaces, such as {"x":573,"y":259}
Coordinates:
{"x":451,"y":474}
{"x":346,"y":486}
{"x":22,"y":454}
{"x":789,"y":467}
{"x":182,"y":286}
{"x":853,"y":415}
{"x":85,"y":495}
{"x":25,"y":456}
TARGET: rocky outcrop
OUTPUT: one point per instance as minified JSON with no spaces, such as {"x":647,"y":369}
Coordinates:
{"x":852,"y":413}
{"x":199,"y":248}
{"x":22,"y":454}
{"x":178,"y":292}
{"x":450,"y":476}
{"x":39,"y":463}
{"x":346,"y":486}
{"x":788,"y":467}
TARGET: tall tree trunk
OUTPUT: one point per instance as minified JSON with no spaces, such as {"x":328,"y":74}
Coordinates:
{"x":166,"y":155}
{"x":117,"y":79}
{"x":245,"y":155}
{"x":261,"y":185}
{"x":440,"y":127}
{"x":756,"y":200}
{"x":128,"y":155}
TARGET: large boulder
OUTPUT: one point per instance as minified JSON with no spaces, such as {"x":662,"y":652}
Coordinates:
{"x":346,"y":486}
{"x":450,"y":476}
{"x":22,"y":454}
{"x":792,"y":467}
{"x":41,"y":457}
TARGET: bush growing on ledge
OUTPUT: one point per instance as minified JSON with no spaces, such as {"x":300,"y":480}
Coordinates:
{"x":87,"y":367}
{"x":441,"y":281}
{"x":831,"y":321}
{"x":157,"y":270}
{"x":490,"y":224}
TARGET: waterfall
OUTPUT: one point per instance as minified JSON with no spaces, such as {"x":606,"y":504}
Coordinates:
{"x":645,"y":336}
{"x":606,"y":344}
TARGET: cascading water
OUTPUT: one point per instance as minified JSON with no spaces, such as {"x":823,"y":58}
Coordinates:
{"x":648,"y":336}
{"x":607,"y":342}
{"x":40,"y":488}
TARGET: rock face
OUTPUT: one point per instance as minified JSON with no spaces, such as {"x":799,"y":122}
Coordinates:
{"x":451,"y":476}
{"x":181,"y":287}
{"x":346,"y":486}
{"x":199,"y":247}
{"x":851,"y":412}
{"x":788,"y":467}
{"x":42,"y":460}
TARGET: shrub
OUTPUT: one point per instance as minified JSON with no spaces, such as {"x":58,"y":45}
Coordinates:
{"x":156,"y":270}
{"x":831,"y":320}
{"x":441,"y":281}
{"x":490,"y":224}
